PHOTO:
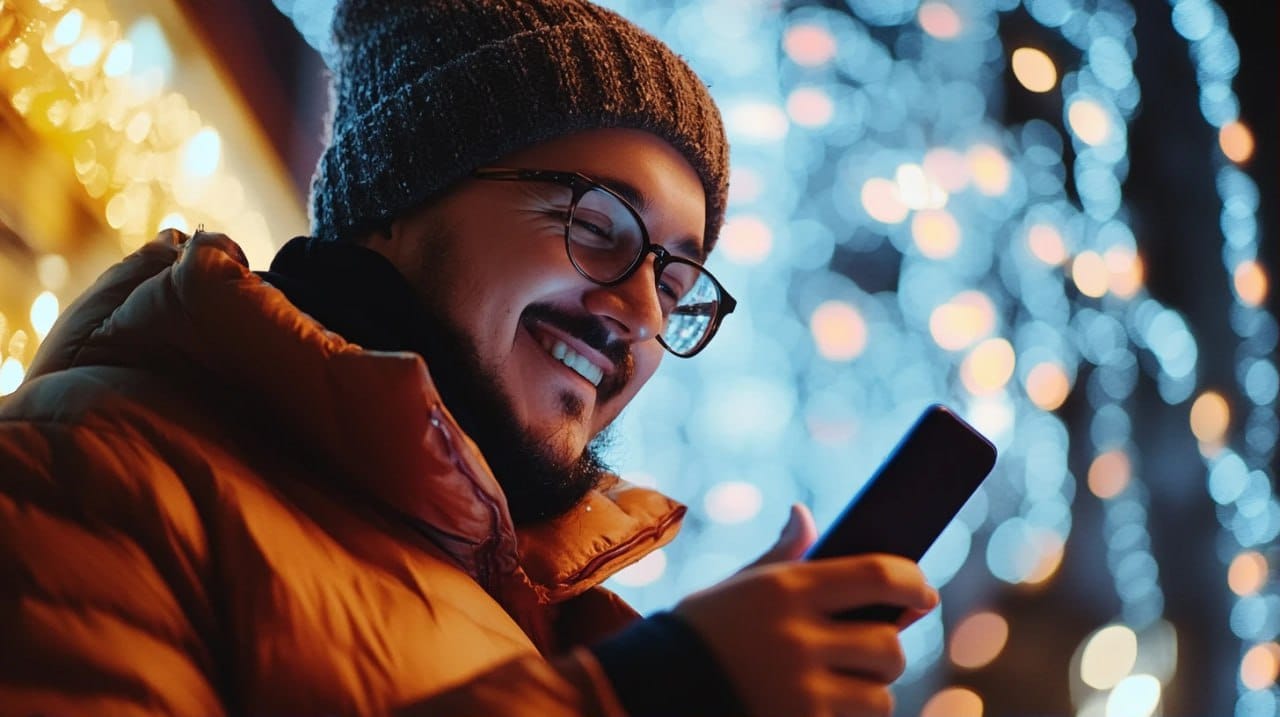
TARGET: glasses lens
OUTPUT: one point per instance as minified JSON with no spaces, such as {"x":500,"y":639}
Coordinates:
{"x":691,"y":300}
{"x":604,"y":236}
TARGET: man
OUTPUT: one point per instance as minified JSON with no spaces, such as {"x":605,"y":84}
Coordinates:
{"x":364,"y":481}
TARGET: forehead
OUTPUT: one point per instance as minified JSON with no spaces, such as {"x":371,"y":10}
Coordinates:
{"x":640,"y":166}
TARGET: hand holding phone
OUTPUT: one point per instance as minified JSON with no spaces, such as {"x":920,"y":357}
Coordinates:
{"x":911,"y":498}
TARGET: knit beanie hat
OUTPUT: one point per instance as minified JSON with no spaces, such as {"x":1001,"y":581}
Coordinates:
{"x":426,"y":91}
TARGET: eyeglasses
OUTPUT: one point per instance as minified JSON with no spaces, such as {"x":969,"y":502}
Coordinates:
{"x":607,"y":242}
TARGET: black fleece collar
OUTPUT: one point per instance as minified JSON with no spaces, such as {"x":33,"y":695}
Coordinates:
{"x":352,"y":291}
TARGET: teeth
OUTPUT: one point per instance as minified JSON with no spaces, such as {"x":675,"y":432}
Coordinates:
{"x":573,"y":360}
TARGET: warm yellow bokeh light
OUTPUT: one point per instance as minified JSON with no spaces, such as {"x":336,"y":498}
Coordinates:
{"x":1260,"y":666}
{"x":1250,"y":282}
{"x":988,"y":367}
{"x":969,"y":316}
{"x":1236,"y":141}
{"x":839,"y":331}
{"x":1089,"y":272}
{"x":936,"y":233}
{"x":1125,"y":270}
{"x":118,"y":210}
{"x":138,"y":128}
{"x":1109,"y":474}
{"x":746,"y":240}
{"x":953,"y":702}
{"x":1247,"y":573}
{"x":1046,"y":244}
{"x":881,"y":200}
{"x":810,"y":107}
{"x":1089,"y":121}
{"x":990,"y":169}
{"x":95,"y":86}
{"x":940,"y":20}
{"x":1034,"y":69}
{"x":1108,"y":657}
{"x":44,"y":311}
{"x":978,"y":639}
{"x":11,"y":375}
{"x":1210,"y":418}
{"x":18,"y":344}
{"x":1048,"y":385}
{"x":809,"y":45}
{"x":19,"y":53}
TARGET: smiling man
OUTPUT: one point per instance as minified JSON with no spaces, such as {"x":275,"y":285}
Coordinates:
{"x":367,"y":481}
{"x":537,"y":355}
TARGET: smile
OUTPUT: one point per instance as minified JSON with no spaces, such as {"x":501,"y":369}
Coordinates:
{"x":567,"y":356}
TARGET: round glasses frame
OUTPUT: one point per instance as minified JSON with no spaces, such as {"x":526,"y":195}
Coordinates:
{"x":580,"y":185}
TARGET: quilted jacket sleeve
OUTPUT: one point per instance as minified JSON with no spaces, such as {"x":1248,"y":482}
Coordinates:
{"x":569,"y":686}
{"x":101,"y":604}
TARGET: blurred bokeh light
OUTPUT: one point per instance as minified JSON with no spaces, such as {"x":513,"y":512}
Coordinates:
{"x":930,"y":201}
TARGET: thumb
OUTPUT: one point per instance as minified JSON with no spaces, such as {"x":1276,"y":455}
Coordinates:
{"x":796,"y":537}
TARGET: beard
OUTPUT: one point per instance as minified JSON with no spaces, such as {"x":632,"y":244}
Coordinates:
{"x":538,"y":484}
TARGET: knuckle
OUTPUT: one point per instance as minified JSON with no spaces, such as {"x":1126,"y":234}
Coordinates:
{"x":881,"y":647}
{"x":877,"y":569}
{"x":802,"y":646}
{"x":885,"y":648}
{"x":781,"y":584}
{"x":769,"y":584}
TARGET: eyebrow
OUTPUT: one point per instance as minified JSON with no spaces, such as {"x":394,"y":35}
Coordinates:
{"x":687,"y":246}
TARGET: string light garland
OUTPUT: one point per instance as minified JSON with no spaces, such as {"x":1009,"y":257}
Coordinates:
{"x":893,"y":241}
{"x":1240,"y":478}
{"x":101,"y":93}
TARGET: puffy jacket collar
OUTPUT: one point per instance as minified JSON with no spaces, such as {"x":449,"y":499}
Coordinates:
{"x":172,"y":305}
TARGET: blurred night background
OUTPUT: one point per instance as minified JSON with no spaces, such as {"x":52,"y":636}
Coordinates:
{"x":1056,"y":216}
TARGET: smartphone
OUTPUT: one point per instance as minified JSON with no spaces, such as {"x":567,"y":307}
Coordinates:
{"x":914,"y":495}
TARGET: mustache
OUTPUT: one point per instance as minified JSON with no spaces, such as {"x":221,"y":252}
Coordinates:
{"x":592,"y":332}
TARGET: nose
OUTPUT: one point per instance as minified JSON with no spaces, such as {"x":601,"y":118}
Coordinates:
{"x":631,"y":308}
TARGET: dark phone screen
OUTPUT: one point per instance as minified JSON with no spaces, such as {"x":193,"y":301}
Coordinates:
{"x":911,"y":498}
{"x":915,"y":493}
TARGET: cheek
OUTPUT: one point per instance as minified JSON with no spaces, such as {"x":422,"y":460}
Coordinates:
{"x":648,"y":356}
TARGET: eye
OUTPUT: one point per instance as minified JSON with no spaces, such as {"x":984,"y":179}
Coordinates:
{"x":579,"y":221}
{"x":593,"y":230}
{"x":669,"y":294}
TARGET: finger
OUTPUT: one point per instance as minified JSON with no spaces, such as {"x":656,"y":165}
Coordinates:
{"x":856,"y":696}
{"x":869,"y":650}
{"x":837,"y":584}
{"x":797,"y":535}
{"x":911,"y":616}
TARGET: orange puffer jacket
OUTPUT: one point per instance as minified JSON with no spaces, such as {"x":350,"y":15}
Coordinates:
{"x":211,"y":505}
